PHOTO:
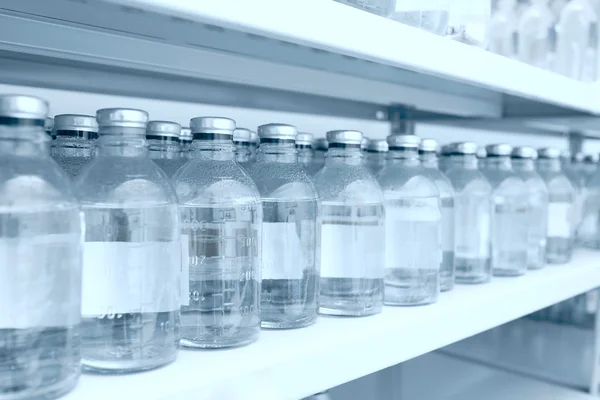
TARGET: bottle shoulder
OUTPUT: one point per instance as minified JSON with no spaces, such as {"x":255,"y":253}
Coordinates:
{"x":348,"y":184}
{"x":410,"y":182}
{"x":282,"y":181}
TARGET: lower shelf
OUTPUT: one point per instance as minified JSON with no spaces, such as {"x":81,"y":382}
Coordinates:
{"x":557,"y":353}
{"x":438,"y":376}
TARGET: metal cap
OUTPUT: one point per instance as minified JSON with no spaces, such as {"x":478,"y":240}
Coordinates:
{"x":186,"y":135}
{"x":344,"y":137}
{"x":377,"y":146}
{"x":463,"y":148}
{"x":121,"y":118}
{"x":428,"y":145}
{"x":277,"y":131}
{"x":219,"y":125}
{"x":501,"y":149}
{"x":242,"y":135}
{"x":305,"y":139}
{"x":590,"y":158}
{"x":321,"y":144}
{"x":403,"y":141}
{"x":163,"y":128}
{"x":549,"y":152}
{"x":21,"y":106}
{"x":254,"y":138}
{"x":73,"y":122}
{"x":524,"y":152}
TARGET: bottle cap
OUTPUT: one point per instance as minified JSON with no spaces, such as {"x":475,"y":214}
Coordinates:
{"x":377,"y":146}
{"x":411,"y":141}
{"x":428,"y":145}
{"x":464,"y":148}
{"x":216,"y":125}
{"x":242,"y":135}
{"x":549,"y":153}
{"x":121,"y":118}
{"x":527,"y":152}
{"x":254,"y":138}
{"x":304,"y":139}
{"x":344,"y":137}
{"x":496,"y":150}
{"x":185,"y":135}
{"x":277,"y":131}
{"x":23,"y":107}
{"x":321,"y":144}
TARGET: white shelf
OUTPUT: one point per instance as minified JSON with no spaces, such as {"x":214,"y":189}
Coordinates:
{"x":296,"y":363}
{"x":559,"y":353}
{"x":314,"y":56}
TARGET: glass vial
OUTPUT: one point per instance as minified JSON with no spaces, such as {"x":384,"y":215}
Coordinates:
{"x":509,"y":212}
{"x":472,"y":214}
{"x":571,"y":170}
{"x":40,"y":248}
{"x":320,"y":147}
{"x":185,"y":141}
{"x":533,"y":34}
{"x":429,"y":162}
{"x":163,"y":145}
{"x":243,"y":145}
{"x":255,"y":141}
{"x":221,"y":219}
{"x":561,"y":226}
{"x":352,"y":230}
{"x":502,"y":29}
{"x":413,"y":252}
{"x":573,"y":38}
{"x":291,"y":228}
{"x":537,"y":200}
{"x":132,"y":259}
{"x":74,"y":146}
{"x":304,"y":143}
{"x":375,"y":153}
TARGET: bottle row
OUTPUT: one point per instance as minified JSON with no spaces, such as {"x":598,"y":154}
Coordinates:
{"x":151,"y":246}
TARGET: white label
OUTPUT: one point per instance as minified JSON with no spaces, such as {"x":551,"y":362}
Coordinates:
{"x":352,"y":250}
{"x":472,"y":227}
{"x":448,"y":229}
{"x":283,"y":255}
{"x":185,"y":270}
{"x":40,"y":281}
{"x":125,"y":277}
{"x":559,"y":220}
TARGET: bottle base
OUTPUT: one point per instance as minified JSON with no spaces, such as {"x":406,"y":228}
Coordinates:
{"x":349,"y":310}
{"x":473,"y":280}
{"x":112,"y":367}
{"x":409,"y":302}
{"x":300,"y":323}
{"x":447,"y":286}
{"x":535,"y":267}
{"x":219,"y":343}
{"x":558,"y":259}
{"x":49,"y":392}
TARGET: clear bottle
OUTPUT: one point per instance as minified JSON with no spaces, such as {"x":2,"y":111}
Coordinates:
{"x":291,"y":231}
{"x":320,"y":147}
{"x":413,"y":252}
{"x":472,"y":214}
{"x":243,"y":145}
{"x":352,"y":230}
{"x":255,"y":141}
{"x":221,"y":219}
{"x":533,"y":33}
{"x":429,"y":161}
{"x":502,"y":29}
{"x":74,"y":145}
{"x":573,"y":38}
{"x":589,"y":166}
{"x":185,"y":141}
{"x":523,"y":161}
{"x":132,"y":258}
{"x":49,"y":127}
{"x":40,"y":247}
{"x":561,"y":218}
{"x":429,"y":15}
{"x":164,"y":147}
{"x":304,"y":143}
{"x":445,"y":152}
{"x":375,"y":153}
{"x":509,"y":212}
{"x":571,"y":170}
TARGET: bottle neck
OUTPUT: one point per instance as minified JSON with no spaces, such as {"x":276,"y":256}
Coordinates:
{"x":404,"y":156}
{"x":343,"y":156}
{"x":523,"y":164}
{"x":375,"y":155}
{"x":465,"y":161}
{"x":17,"y":140}
{"x":429,"y":160}
{"x":499,"y":163}
{"x":549,"y":164}
{"x":280,"y":152}
{"x":215,"y":150}
{"x":122,"y":146}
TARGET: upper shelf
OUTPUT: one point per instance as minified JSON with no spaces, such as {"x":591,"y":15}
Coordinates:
{"x":292,"y":364}
{"x":314,"y":56}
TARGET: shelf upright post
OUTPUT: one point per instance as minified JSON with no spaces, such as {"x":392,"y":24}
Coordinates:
{"x":595,"y":376}
{"x":401,"y":120}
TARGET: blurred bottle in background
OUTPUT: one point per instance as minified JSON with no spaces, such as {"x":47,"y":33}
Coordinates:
{"x":503,"y":28}
{"x":534,"y":34}
{"x":376,"y":152}
{"x":74,"y":145}
{"x":304,"y":143}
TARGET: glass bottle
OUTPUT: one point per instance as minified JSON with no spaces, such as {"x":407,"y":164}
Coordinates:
{"x":243,"y":144}
{"x":164,"y":147}
{"x":472,"y":214}
{"x":291,"y":231}
{"x":352,"y":230}
{"x":429,"y":162}
{"x":444,"y":156}
{"x":132,"y":259}
{"x":537,"y":199}
{"x":502,"y":29}
{"x":561,"y":218}
{"x":304,"y":143}
{"x":74,"y":145}
{"x":573,"y":38}
{"x":49,"y":127}
{"x":571,"y":171}
{"x":221,"y":219}
{"x":185,"y":141}
{"x":533,"y":33}
{"x":320,"y":147}
{"x":413,"y":252}
{"x":255,"y":141}
{"x":363,"y":143}
{"x":589,"y":166}
{"x":40,"y":247}
{"x":375,"y":152}
{"x":509,"y":212}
